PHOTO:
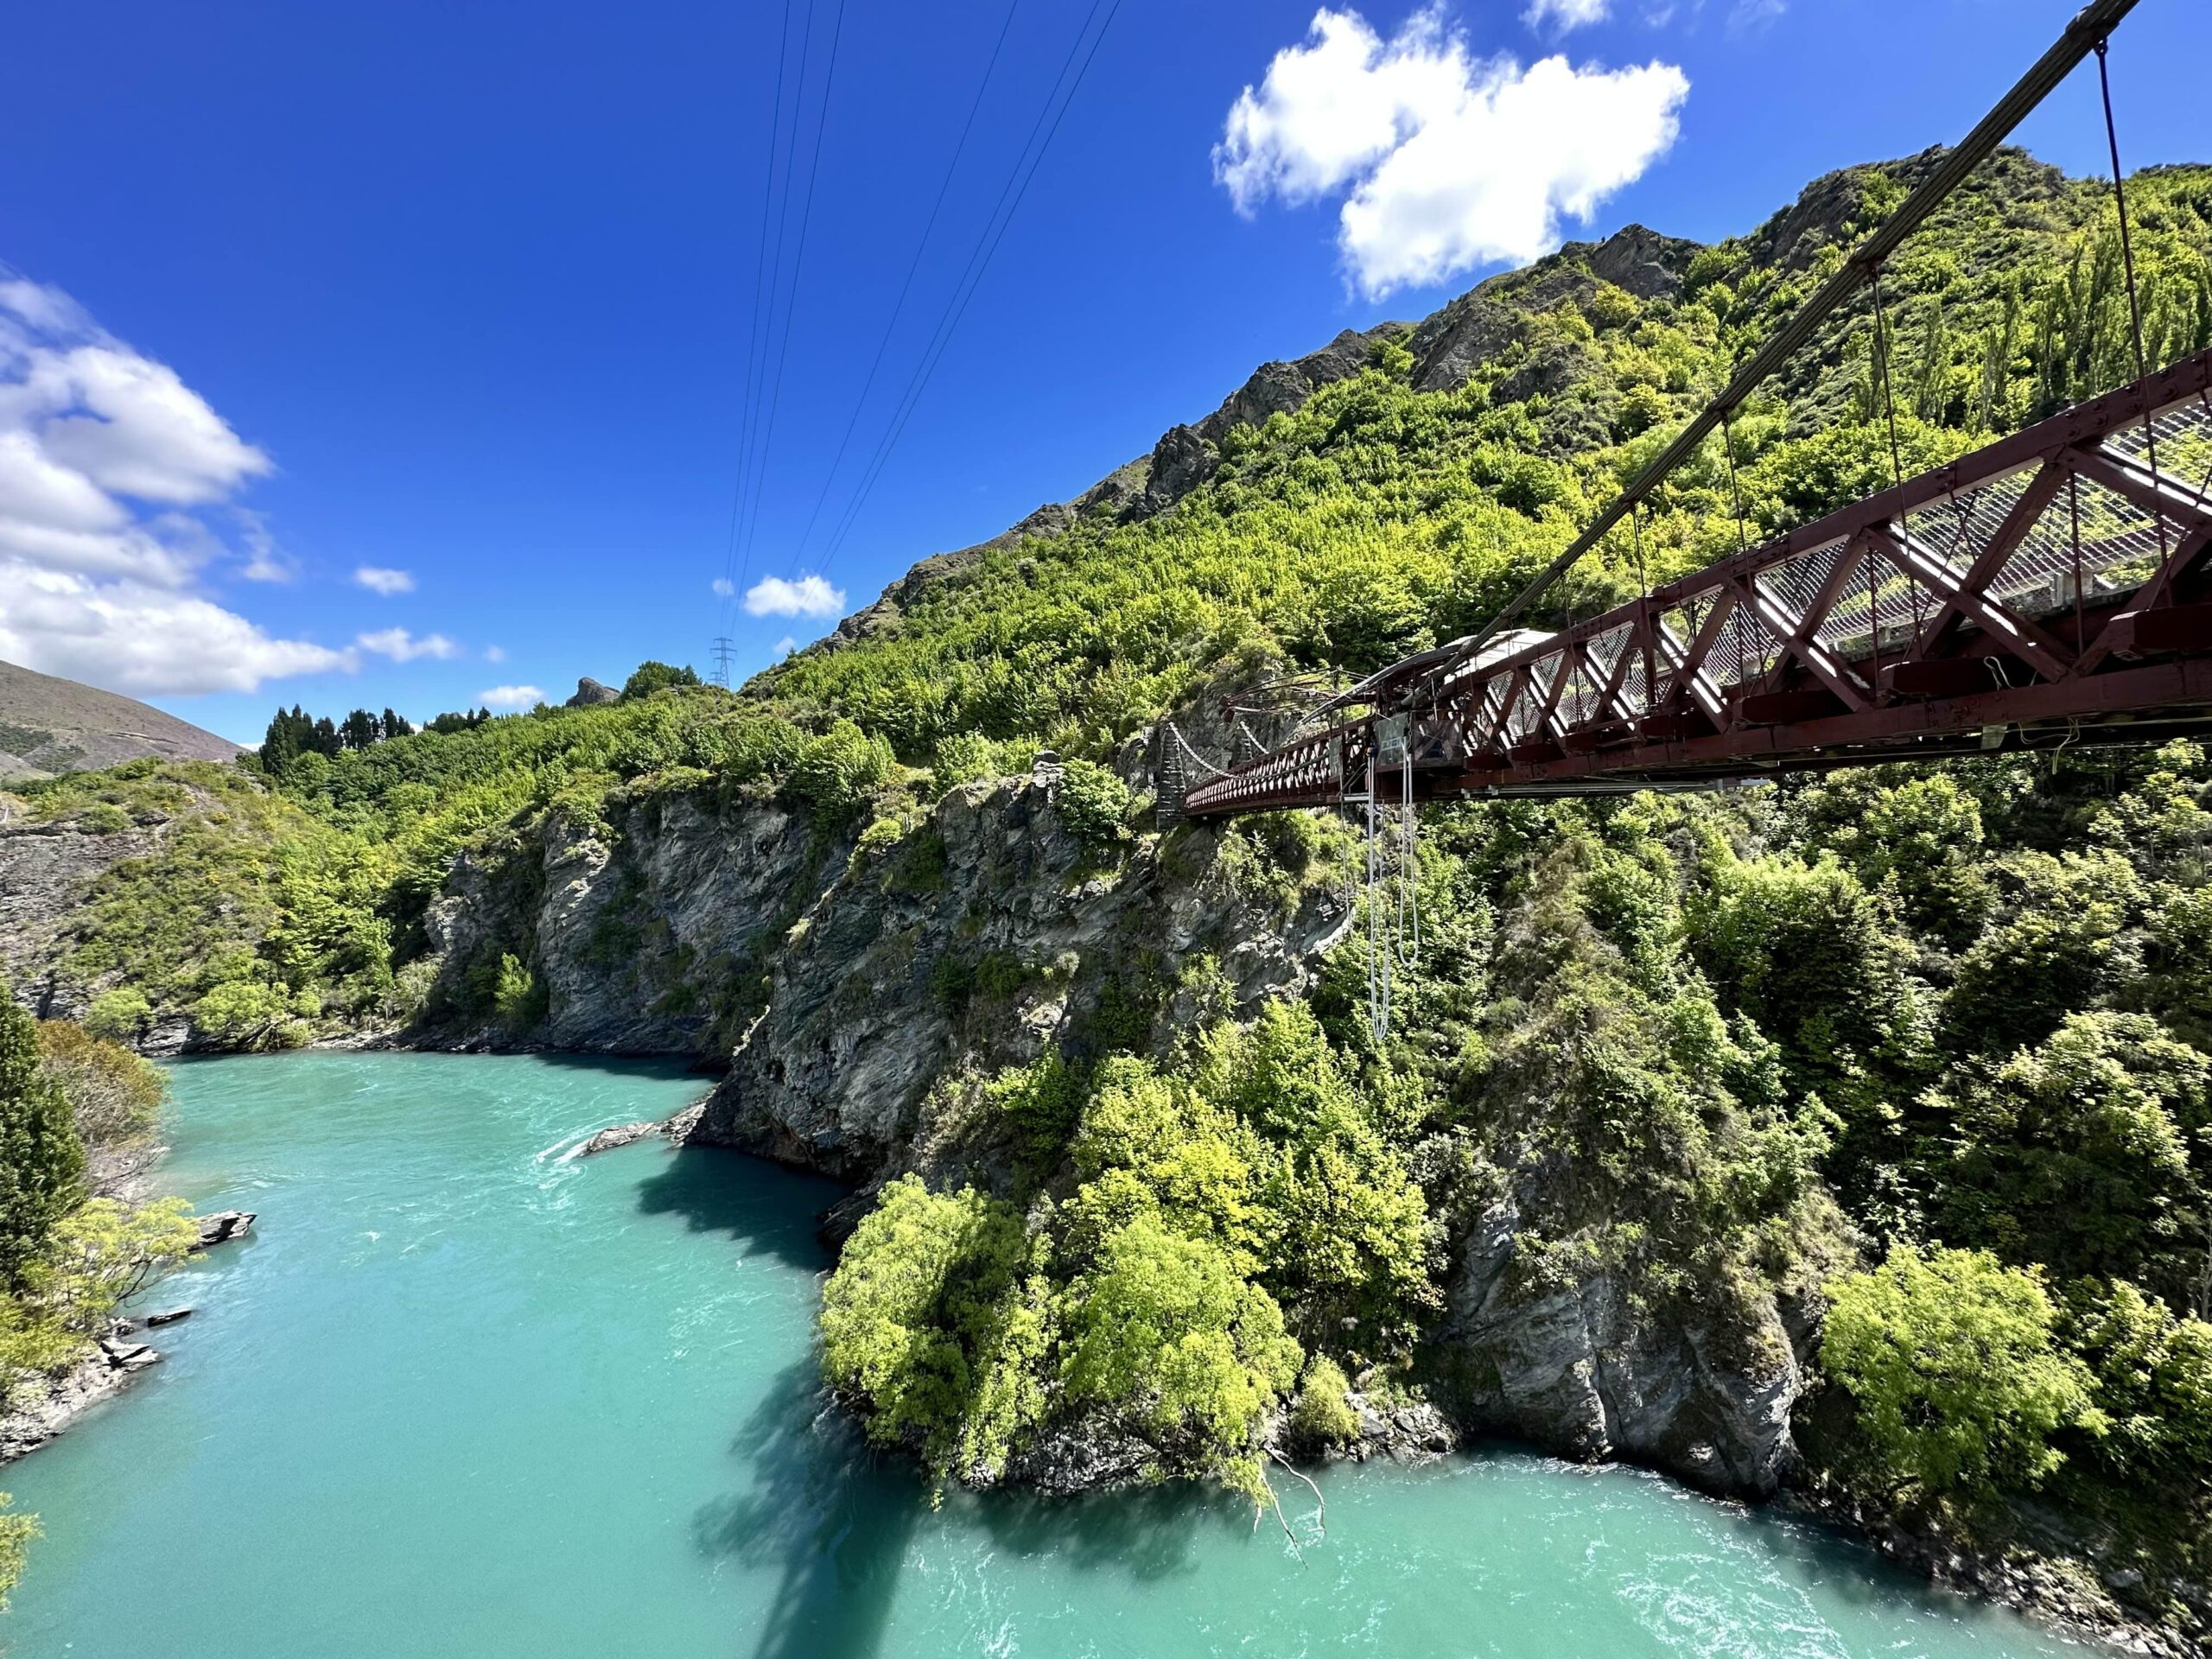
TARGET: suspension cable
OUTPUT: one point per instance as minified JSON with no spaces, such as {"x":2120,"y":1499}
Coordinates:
{"x":1735,"y":490}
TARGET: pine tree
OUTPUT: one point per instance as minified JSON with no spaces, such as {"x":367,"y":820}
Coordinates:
{"x":361,"y":730}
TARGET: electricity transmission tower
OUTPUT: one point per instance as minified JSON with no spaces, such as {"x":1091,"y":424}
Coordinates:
{"x":724,"y":649}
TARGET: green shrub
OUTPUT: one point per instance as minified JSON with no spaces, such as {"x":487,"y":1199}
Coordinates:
{"x":518,"y":997}
{"x":2153,"y":1385}
{"x":118,"y":1015}
{"x":1952,"y":1363}
{"x":919,"y":1304}
{"x":245,"y":1014}
{"x":837,"y":772}
{"x":115,"y":1096}
{"x":1093,"y":804}
{"x":102,"y":819}
{"x":16,"y":1532}
{"x":1322,"y":1416}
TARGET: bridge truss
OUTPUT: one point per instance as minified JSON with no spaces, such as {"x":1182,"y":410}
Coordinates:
{"x":2050,"y":590}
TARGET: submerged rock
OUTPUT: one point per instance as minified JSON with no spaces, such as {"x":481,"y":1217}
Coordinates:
{"x":621,"y":1135}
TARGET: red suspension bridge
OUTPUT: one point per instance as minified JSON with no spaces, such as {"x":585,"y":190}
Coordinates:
{"x":2048,"y":590}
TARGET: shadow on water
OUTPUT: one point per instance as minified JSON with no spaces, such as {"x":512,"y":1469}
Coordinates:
{"x":838,"y":1521}
{"x":821,"y":1509}
{"x":766,"y":1208}
{"x":1147,"y":1533}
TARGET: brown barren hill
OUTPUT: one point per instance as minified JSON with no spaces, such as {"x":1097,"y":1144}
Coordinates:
{"x":49,"y":725}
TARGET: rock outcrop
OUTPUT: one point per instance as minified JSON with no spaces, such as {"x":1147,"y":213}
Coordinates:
{"x":987,"y":935}
{"x":590,"y":694}
{"x":223,"y":1226}
{"x":1703,"y":1391}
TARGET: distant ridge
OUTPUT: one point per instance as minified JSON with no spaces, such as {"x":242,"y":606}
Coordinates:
{"x":49,"y":725}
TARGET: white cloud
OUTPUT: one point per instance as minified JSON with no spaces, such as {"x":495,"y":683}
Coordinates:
{"x":403,"y":647}
{"x":510,"y":697}
{"x":495,"y":653}
{"x":1450,"y":162}
{"x":105,"y":458}
{"x":379,"y":580}
{"x":723,"y":587}
{"x":149,"y":641}
{"x":808,"y":596}
{"x":1564,"y":14}
{"x":265,"y":560}
{"x":786,"y":645}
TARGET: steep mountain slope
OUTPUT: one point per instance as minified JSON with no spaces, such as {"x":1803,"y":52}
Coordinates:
{"x":49,"y":725}
{"x":1748,"y":1135}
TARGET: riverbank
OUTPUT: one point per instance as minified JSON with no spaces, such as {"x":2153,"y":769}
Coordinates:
{"x":102,"y":1374}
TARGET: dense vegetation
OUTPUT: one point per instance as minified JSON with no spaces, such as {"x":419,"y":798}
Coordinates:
{"x":77,"y":1118}
{"x":1928,"y":1045}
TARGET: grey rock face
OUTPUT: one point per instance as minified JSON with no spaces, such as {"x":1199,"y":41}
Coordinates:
{"x":590,"y":693}
{"x":1703,"y":1390}
{"x":1283,"y":388}
{"x":45,"y":869}
{"x":1459,"y":340}
{"x":837,"y":1074}
{"x":1180,"y":462}
{"x":1648,"y":265}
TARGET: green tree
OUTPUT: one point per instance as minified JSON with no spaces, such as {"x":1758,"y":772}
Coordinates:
{"x":1951,"y":1361}
{"x":650,"y":677}
{"x":2153,"y":1383}
{"x":2077,"y":1154}
{"x":16,"y":1532}
{"x":42,"y":1161}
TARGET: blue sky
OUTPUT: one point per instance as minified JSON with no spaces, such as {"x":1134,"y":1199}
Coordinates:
{"x":461,"y":293}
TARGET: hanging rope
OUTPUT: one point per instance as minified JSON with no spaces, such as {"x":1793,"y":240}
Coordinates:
{"x":1407,"y":944}
{"x":1379,"y":948}
{"x":1882,"y":355}
{"x":1883,"y":341}
{"x":1735,"y":490}
{"x":2134,"y":300}
{"x":1643,"y":592}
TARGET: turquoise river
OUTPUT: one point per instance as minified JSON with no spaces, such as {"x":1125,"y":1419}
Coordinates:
{"x":462,"y":1395}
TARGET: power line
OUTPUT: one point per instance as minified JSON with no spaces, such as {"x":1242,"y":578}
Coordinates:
{"x":1017,"y":186}
{"x":899,"y":306}
{"x":798,"y":262}
{"x":754,"y":326}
